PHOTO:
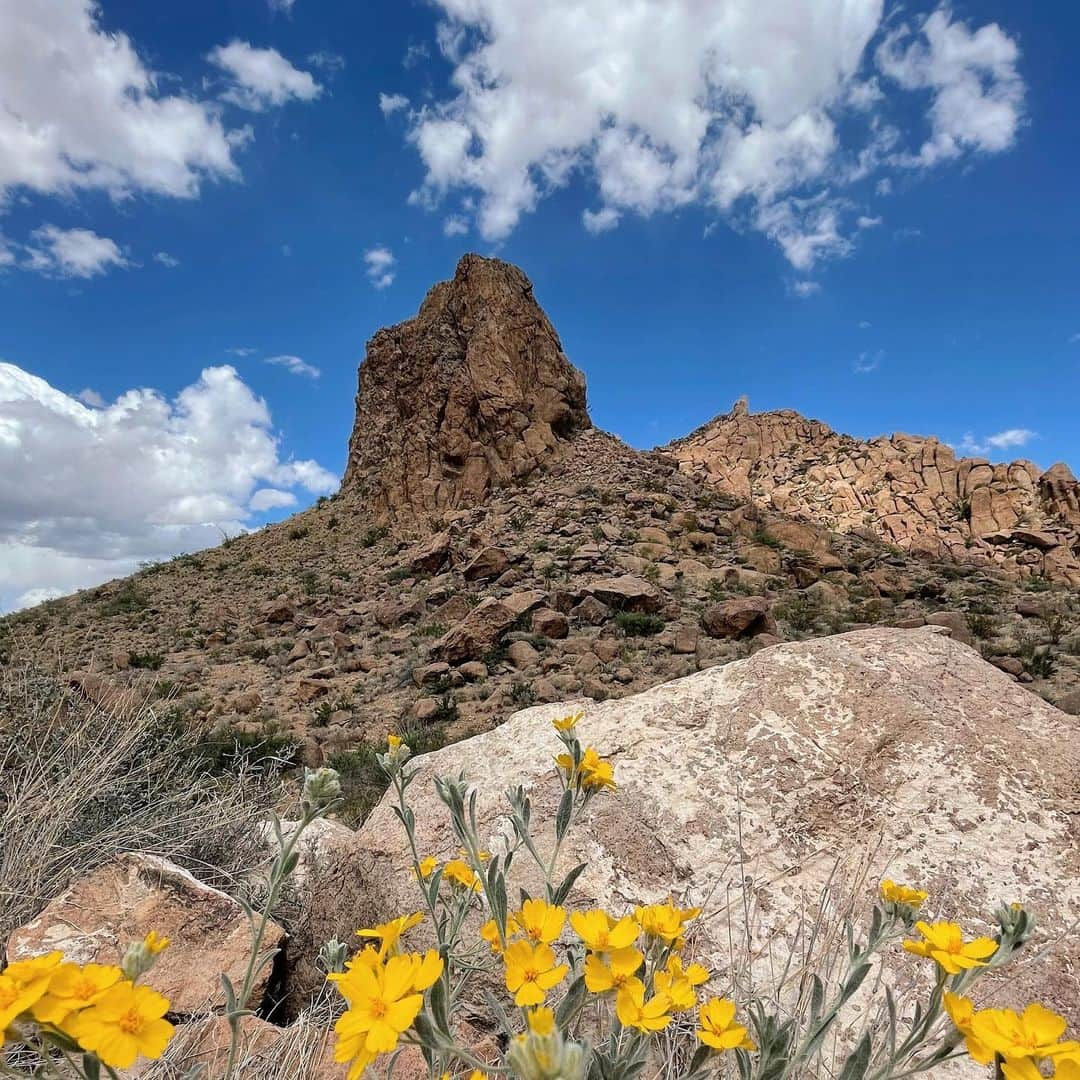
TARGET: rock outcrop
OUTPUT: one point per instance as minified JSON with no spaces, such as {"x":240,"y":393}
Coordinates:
{"x":899,"y":752}
{"x":472,"y":393}
{"x":908,"y":490}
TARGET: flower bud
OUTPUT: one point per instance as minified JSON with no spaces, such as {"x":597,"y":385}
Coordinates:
{"x":321,"y":788}
{"x":332,"y":956}
{"x":141,"y":956}
{"x":536,"y":1056}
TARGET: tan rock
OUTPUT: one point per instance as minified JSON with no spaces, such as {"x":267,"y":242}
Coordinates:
{"x":741,"y":616}
{"x":487,"y":563}
{"x":95,"y":920}
{"x":626,"y":593}
{"x":903,"y":749}
{"x":476,"y":633}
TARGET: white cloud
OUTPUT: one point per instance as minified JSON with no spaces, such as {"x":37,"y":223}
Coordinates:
{"x":1009,"y":439}
{"x":79,"y":109}
{"x":330,"y":62}
{"x":863,"y":221}
{"x":868,"y":361}
{"x":86,"y":493}
{"x":806,"y":288}
{"x":295,"y":366}
{"x":762,"y":109}
{"x":602,"y":220}
{"x":455,"y":225}
{"x":281,"y":5}
{"x":978,"y":95}
{"x":392,"y":103}
{"x":381,"y":266}
{"x":1074,"y":338}
{"x":166,"y":260}
{"x":261,"y":78}
{"x":270,"y":499}
{"x":415,"y":54}
{"x":72,"y":253}
{"x":7,"y":256}
{"x":241,"y":351}
{"x":91,"y":397}
{"x":864,"y":325}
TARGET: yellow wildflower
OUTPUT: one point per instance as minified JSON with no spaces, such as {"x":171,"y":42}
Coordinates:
{"x":490,"y":932}
{"x":567,"y":723}
{"x":611,"y":971}
{"x":601,"y":933}
{"x":72,"y":988}
{"x":679,"y":983}
{"x":384,"y":1000}
{"x":426,"y":867}
{"x":634,"y":1011}
{"x":892,"y":893}
{"x":541,"y":921}
{"x":665,"y":921}
{"x":154,"y":944}
{"x":531,"y":971}
{"x":946,"y":946}
{"x":718,"y":1028}
{"x":16,"y":997}
{"x":389,"y":933}
{"x":459,"y":872}
{"x":124,"y":1023}
{"x":1034,"y":1033}
{"x":29,"y":971}
{"x":393,"y":742}
{"x":541,"y":1020}
{"x":592,"y":771}
{"x":962,"y":1012}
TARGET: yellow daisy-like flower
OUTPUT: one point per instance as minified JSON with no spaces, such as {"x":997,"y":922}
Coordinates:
{"x":962,"y":1012}
{"x":892,"y":893}
{"x":1034,"y":1033}
{"x":393,"y":742}
{"x":425,"y":868}
{"x":944,"y":943}
{"x":567,"y":723}
{"x":72,"y":988}
{"x":126,"y":1022}
{"x":541,"y":1020}
{"x":601,"y":933}
{"x":459,"y":872}
{"x":718,"y":1028}
{"x":17,"y":997}
{"x":634,"y":1011}
{"x":665,"y":921}
{"x":1067,"y":1067}
{"x":389,"y":933}
{"x":612,"y":970}
{"x":531,"y":971}
{"x":29,"y":971}
{"x":540,"y":921}
{"x":592,"y":772}
{"x":490,"y":932}
{"x":679,"y":983}
{"x":384,"y":1000}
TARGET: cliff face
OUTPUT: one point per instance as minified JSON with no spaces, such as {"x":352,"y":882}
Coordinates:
{"x":911,"y":491}
{"x":470,"y":394}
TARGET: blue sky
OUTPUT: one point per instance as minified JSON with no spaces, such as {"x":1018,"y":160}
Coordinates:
{"x":871,"y":219}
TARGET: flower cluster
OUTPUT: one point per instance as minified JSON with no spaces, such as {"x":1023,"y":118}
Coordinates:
{"x":1020,"y":1041}
{"x":96,"y":1009}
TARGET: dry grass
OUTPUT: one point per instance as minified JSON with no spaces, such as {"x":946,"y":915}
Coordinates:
{"x":80,"y":785}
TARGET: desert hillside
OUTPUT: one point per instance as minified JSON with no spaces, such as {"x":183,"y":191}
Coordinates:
{"x":490,"y":548}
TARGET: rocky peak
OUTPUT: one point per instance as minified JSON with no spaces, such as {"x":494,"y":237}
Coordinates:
{"x":470,"y":394}
{"x":909,"y":490}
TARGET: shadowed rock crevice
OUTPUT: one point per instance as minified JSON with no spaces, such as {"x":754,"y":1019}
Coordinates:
{"x":471,"y":394}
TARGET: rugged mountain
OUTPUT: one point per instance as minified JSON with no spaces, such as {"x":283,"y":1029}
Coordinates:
{"x":905,"y":489}
{"x":488,"y":549}
{"x":472,"y":393}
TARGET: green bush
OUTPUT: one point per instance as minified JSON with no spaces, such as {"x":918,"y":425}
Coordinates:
{"x":636,"y":624}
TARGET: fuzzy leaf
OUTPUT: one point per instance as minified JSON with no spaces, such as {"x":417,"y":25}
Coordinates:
{"x":562,"y":818}
{"x":563,"y":890}
{"x":855,"y":1066}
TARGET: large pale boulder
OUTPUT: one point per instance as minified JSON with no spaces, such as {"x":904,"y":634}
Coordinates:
{"x":95,"y":920}
{"x":897,"y":751}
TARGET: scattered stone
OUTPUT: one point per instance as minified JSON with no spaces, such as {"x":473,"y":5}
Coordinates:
{"x":552,"y":624}
{"x":476,"y":633}
{"x":522,"y":655}
{"x":741,"y":616}
{"x":626,"y":593}
{"x":489,"y":562}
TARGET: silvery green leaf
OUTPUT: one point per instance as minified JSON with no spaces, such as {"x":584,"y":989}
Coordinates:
{"x":855,"y":1066}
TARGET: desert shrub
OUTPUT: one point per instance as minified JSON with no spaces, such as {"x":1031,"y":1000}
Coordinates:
{"x":801,"y":613}
{"x":522,"y":694}
{"x":370,"y":537}
{"x":298,"y":532}
{"x":431,"y":630}
{"x":309,"y":582}
{"x":146,"y":661}
{"x":127,"y":599}
{"x":80,"y":785}
{"x":982,"y":625}
{"x":638,"y":624}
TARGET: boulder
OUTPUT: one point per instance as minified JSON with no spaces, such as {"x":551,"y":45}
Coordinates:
{"x":955,"y":622}
{"x":487,"y":563}
{"x":96,"y":918}
{"x":626,"y":593}
{"x":900,"y":751}
{"x":476,"y":633}
{"x":741,"y":616}
{"x":429,"y":556}
{"x":552,"y":624}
